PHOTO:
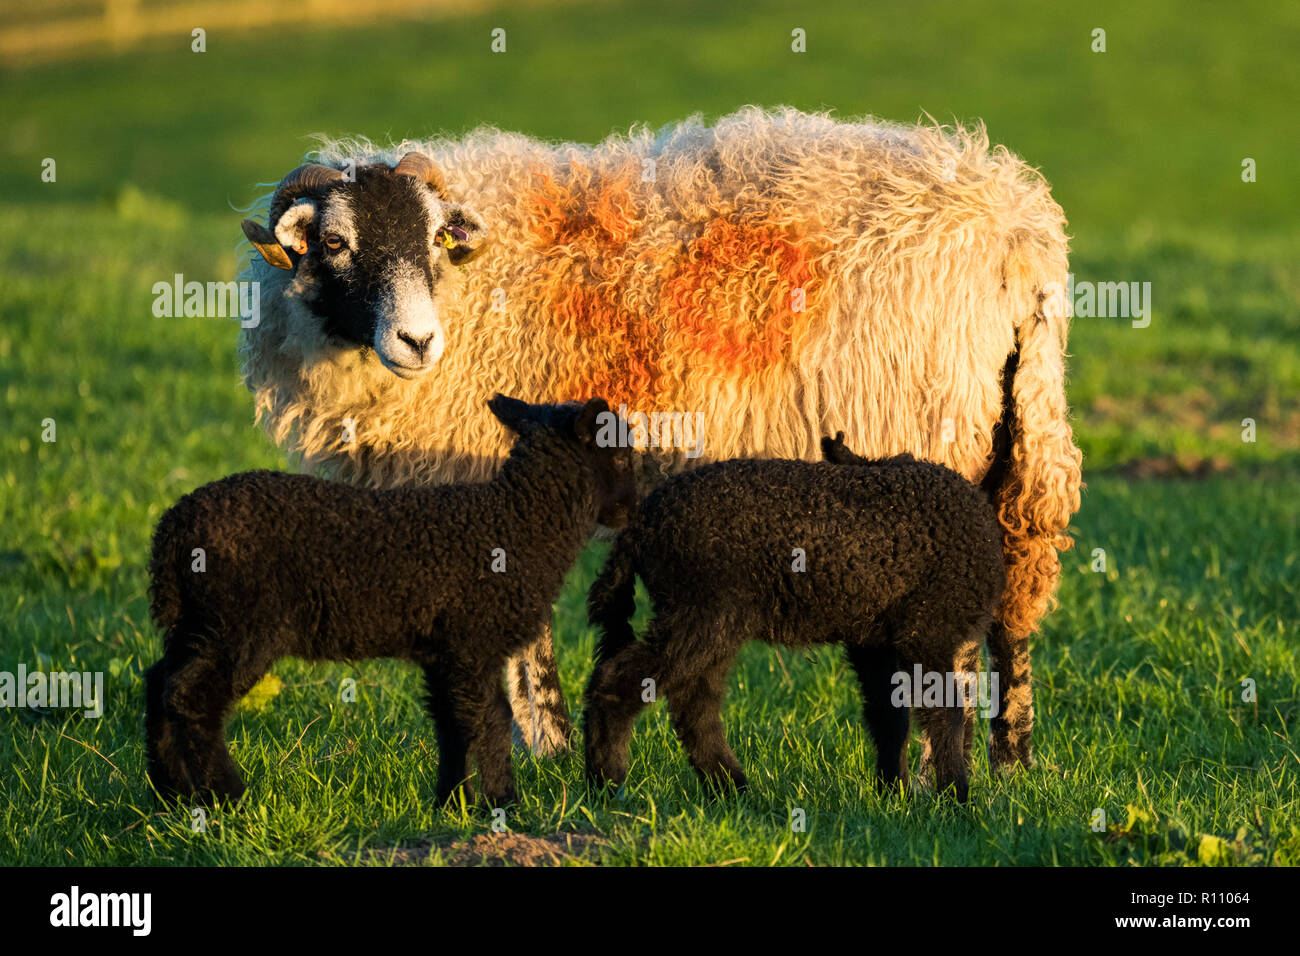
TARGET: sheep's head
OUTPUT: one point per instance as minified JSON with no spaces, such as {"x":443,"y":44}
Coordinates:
{"x":589,"y":428}
{"x":369,"y":252}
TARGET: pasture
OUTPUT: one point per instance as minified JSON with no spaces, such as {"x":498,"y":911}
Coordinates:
{"x":1138,"y":673}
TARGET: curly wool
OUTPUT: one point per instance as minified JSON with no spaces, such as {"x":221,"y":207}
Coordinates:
{"x":455,"y":578}
{"x":897,"y":560}
{"x":662,"y":270}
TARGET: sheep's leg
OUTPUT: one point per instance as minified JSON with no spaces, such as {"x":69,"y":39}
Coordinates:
{"x":1011,"y":731}
{"x":541,"y":716}
{"x":946,"y":726}
{"x":194,"y":696}
{"x":695,"y":707}
{"x":888,"y":723}
{"x":968,"y":666}
{"x":616,"y":693}
{"x":166,"y":766}
{"x":932,"y":631}
{"x":490,"y":745}
{"x":453,"y":740}
{"x":968,"y":662}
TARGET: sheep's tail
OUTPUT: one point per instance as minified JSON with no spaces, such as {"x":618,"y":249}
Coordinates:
{"x":1039,"y":486}
{"x":612,"y":598}
{"x":993,"y":479}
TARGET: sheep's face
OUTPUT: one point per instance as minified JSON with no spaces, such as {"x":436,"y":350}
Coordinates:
{"x":587,"y":427}
{"x":369,"y":255}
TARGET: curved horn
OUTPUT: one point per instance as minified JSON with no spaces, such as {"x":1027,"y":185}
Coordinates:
{"x":301,"y":180}
{"x":423,"y":169}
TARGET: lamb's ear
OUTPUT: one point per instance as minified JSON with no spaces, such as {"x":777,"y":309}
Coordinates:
{"x":292,"y":228}
{"x":463,"y":233}
{"x":589,"y":422}
{"x":834,"y":451}
{"x":264,"y":242}
{"x":516,"y":415}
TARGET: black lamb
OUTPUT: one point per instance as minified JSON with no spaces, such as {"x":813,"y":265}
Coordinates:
{"x":899,"y":561}
{"x":454,"y":578}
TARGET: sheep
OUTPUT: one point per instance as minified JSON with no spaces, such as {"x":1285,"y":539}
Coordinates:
{"x":1003,"y":649}
{"x":453,"y":578}
{"x":900,"y":562}
{"x":772,"y":273}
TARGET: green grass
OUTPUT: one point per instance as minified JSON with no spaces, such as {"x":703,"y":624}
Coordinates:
{"x":1139,"y":671}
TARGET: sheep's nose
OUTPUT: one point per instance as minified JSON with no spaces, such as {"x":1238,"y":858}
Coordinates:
{"x":418,"y":346}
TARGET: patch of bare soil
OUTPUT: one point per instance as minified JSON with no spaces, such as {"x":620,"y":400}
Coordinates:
{"x":502,"y":849}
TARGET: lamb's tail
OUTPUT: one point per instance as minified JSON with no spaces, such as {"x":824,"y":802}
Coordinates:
{"x":993,"y":479}
{"x":612,"y":598}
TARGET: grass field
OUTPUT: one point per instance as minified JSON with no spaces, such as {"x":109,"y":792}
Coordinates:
{"x":1138,"y":672}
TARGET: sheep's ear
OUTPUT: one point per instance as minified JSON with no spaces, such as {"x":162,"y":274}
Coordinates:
{"x":588,"y":423}
{"x":293,"y":224}
{"x":264,"y":242}
{"x":463,"y":233}
{"x":516,"y":415}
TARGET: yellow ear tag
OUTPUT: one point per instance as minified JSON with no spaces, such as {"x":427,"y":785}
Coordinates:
{"x":447,"y":235}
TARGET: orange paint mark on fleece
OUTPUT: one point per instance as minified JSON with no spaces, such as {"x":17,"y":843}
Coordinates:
{"x":614,"y":352}
{"x":583,"y":226}
{"x":725,"y":302}
{"x":587,"y":211}
{"x":734,"y":295}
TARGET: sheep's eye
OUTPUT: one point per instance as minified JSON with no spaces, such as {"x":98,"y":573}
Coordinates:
{"x":333,"y":241}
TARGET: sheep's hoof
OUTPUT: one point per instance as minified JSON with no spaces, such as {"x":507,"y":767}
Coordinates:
{"x":958,"y":789}
{"x":726,"y":781}
{"x":604,"y":782}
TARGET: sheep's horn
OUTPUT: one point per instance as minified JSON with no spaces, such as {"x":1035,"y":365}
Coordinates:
{"x":423,"y":169}
{"x":264,"y":241}
{"x":303,"y":179}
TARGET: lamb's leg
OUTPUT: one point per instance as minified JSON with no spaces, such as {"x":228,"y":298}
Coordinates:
{"x":541,"y":716}
{"x":695,"y":707}
{"x":615,"y":695}
{"x":936,"y":631}
{"x":195,"y":696}
{"x":453,"y":738}
{"x":946,"y":726}
{"x":166,"y":767}
{"x":889,"y":724}
{"x":968,"y":666}
{"x":968,"y":662}
{"x":1011,"y":731}
{"x":490,"y":745}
